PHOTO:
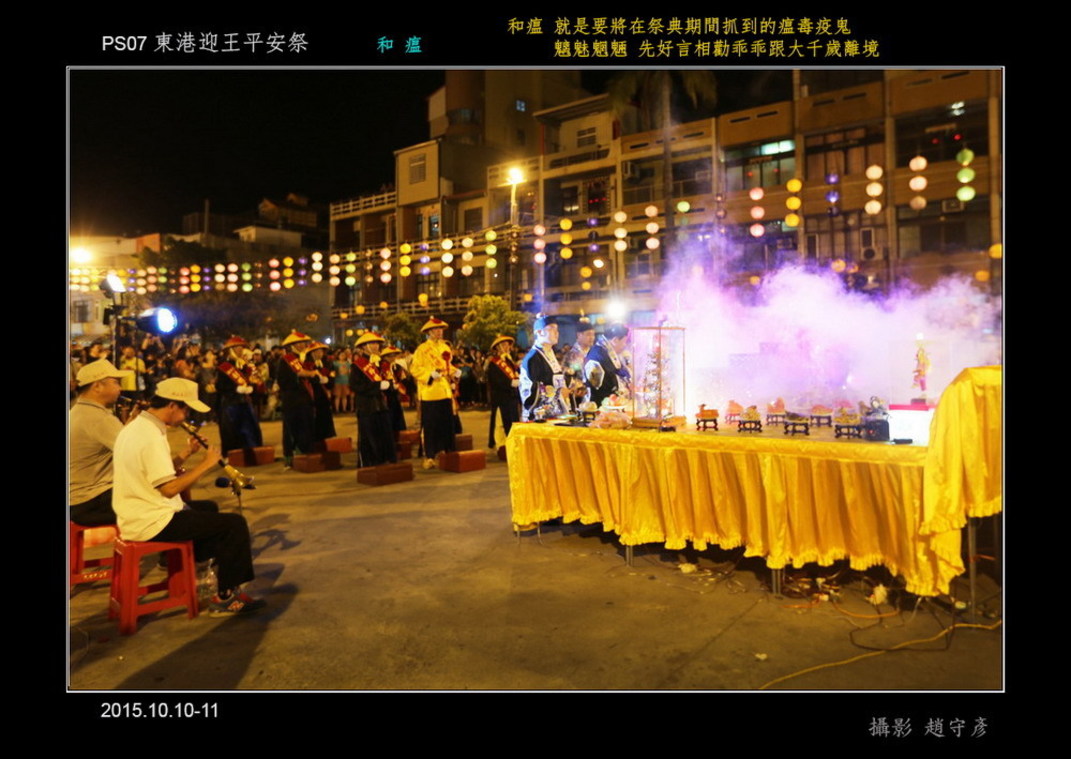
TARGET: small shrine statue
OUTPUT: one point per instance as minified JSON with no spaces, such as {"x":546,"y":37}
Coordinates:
{"x":922,"y":368}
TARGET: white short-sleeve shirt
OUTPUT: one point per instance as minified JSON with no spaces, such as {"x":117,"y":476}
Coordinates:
{"x":142,"y":461}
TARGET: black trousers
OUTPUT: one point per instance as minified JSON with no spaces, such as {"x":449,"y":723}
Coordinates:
{"x":238,"y":427}
{"x":95,"y":512}
{"x":222,"y":536}
{"x":375,"y":438}
{"x":438,"y":422}
{"x":511,"y":412}
{"x":297,"y":429}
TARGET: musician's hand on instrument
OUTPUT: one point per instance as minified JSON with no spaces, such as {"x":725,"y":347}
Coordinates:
{"x":213,"y":454}
{"x":384,"y":385}
{"x":435,"y":374}
{"x":193,"y":445}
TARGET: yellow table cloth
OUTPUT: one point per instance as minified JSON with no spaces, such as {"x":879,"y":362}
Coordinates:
{"x":963,"y":464}
{"x":791,"y":501}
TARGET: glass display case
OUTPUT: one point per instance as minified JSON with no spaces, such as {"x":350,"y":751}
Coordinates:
{"x":657,"y":367}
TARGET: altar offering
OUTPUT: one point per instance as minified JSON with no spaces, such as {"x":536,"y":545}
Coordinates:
{"x":797,"y":424}
{"x":821,"y":416}
{"x":847,"y":424}
{"x":706,"y":417}
{"x":610,"y":418}
{"x":775,"y":412}
{"x":750,"y":420}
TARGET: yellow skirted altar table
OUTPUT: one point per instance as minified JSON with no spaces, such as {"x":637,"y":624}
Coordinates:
{"x":964,"y":461}
{"x":791,"y":501}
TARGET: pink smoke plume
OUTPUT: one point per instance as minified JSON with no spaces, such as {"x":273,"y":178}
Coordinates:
{"x":805,"y":338}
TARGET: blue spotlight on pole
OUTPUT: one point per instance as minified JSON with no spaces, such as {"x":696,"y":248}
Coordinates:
{"x":157,"y":321}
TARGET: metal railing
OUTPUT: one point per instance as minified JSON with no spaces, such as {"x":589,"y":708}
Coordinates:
{"x":364,"y":203}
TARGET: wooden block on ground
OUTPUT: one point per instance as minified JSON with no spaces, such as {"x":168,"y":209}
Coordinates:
{"x":462,"y":461}
{"x":463,"y":442}
{"x":333,"y":444}
{"x":385,"y":474}
{"x":264,"y":454}
{"x":340,"y":444}
{"x":409,"y":436}
{"x":243,"y":458}
{"x":309,"y":463}
{"x":318,"y":462}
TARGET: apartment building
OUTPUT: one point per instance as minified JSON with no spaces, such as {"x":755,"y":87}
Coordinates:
{"x":881,"y":175}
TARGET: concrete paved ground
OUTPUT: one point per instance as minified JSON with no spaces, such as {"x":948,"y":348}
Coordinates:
{"x":423,"y":585}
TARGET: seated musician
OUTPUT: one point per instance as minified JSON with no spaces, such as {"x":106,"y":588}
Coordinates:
{"x":93,"y":429}
{"x":147,"y":498}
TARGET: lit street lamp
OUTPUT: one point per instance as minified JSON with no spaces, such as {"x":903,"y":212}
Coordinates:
{"x":514,"y":177}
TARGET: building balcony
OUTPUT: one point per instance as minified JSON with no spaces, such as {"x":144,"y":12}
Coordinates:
{"x":572,"y":158}
{"x":365,"y":204}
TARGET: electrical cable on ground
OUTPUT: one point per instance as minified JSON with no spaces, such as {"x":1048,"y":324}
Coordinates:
{"x":837,"y":606}
{"x":860,"y":657}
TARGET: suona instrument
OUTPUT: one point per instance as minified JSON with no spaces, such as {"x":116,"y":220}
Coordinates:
{"x":239,"y":481}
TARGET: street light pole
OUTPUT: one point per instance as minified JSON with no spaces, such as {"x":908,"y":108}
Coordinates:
{"x":516,"y":176}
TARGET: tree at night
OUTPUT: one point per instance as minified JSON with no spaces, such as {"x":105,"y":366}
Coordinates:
{"x":488,"y":317}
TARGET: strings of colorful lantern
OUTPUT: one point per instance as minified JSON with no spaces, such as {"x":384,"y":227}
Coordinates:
{"x":965,"y":175}
{"x":757,"y":212}
{"x":874,"y":189}
{"x":793,"y":202}
{"x":918,"y":182}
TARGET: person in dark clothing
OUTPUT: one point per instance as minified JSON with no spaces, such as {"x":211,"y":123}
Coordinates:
{"x":605,"y":371}
{"x":296,"y":395}
{"x":371,"y":380}
{"x":396,"y":374}
{"x":542,"y":376}
{"x":323,"y":423}
{"x":236,"y":381}
{"x":503,"y":379}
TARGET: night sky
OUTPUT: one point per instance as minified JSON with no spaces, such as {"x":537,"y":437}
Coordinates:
{"x":147,"y":147}
{"x":150,"y":146}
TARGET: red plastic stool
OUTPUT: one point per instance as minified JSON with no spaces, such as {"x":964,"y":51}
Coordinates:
{"x":89,"y":570}
{"x":181,"y":582}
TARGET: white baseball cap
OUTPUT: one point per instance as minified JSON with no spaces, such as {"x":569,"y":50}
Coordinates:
{"x":183,"y":390}
{"x":100,"y":369}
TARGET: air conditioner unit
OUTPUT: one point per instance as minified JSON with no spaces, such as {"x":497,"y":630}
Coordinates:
{"x":951,"y":205}
{"x":629,"y":170}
